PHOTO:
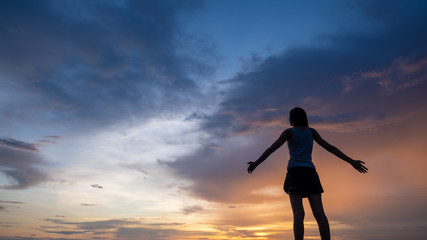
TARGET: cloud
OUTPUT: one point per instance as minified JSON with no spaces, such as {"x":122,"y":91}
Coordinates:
{"x":8,"y":204}
{"x":136,"y":166}
{"x":20,"y":162}
{"x":192,"y":209}
{"x":49,"y":140}
{"x":88,"y":204}
{"x":122,"y":228}
{"x":128,"y":66}
{"x":97,"y":186}
{"x":11,"y":202}
{"x":67,"y":232}
{"x":18,"y":145}
{"x":94,"y":225}
{"x":54,"y":137}
{"x":403,"y":73}
{"x":221,"y":176}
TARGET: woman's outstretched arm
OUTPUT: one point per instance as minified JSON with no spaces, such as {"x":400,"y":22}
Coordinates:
{"x":357,"y":164}
{"x":278,"y":143}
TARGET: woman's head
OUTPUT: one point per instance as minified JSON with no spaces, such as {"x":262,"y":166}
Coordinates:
{"x":298,"y":117}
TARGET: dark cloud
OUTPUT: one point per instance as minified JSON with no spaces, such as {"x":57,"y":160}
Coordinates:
{"x":20,"y":162}
{"x":93,"y":63}
{"x":18,"y":145}
{"x":196,"y":116}
{"x":389,"y":60}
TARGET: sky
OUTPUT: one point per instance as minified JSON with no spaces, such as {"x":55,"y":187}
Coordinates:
{"x":135,"y":119}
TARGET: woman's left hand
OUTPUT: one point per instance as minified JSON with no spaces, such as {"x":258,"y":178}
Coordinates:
{"x":358,"y":165}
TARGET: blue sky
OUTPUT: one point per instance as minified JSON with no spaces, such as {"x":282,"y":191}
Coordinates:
{"x":135,"y":119}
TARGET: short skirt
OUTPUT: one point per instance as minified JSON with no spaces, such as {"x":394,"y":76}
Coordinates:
{"x":303,"y":181}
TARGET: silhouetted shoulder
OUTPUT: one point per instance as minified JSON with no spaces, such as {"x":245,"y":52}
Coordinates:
{"x":287,"y":134}
{"x":319,"y":139}
{"x":314,"y":132}
{"x":316,"y":135}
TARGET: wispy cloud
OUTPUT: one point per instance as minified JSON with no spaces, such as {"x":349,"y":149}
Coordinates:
{"x":11,"y":202}
{"x":94,"y":225}
{"x":49,"y":140}
{"x":18,"y":145}
{"x":4,"y":205}
{"x":124,"y":229}
{"x":402,"y":73}
{"x":192,"y":209}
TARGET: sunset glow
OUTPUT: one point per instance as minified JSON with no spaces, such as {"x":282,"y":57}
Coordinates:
{"x":136,"y":119}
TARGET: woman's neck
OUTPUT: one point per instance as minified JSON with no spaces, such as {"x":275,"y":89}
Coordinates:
{"x":301,"y":128}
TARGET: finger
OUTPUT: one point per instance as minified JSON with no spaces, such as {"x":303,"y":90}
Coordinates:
{"x":361,"y":169}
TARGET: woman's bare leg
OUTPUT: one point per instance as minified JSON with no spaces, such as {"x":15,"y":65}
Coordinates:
{"x":318,"y":212}
{"x":298,"y":211}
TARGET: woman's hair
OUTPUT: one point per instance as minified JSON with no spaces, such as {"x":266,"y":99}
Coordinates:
{"x":298,"y":117}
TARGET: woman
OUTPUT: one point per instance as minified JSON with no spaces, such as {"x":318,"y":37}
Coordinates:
{"x":302,"y":179}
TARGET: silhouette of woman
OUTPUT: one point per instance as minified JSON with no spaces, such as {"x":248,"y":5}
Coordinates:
{"x":302,"y":179}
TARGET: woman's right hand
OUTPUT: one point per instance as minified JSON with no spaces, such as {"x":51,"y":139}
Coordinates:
{"x":252,"y":166}
{"x":358,"y":165}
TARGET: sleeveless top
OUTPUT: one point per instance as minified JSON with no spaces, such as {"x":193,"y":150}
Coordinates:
{"x":300,"y":148}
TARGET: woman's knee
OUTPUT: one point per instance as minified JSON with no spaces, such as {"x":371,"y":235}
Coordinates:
{"x":299,"y":215}
{"x":319,"y":214}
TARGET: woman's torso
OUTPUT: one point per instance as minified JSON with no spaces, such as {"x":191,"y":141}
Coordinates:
{"x":300,"y":148}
